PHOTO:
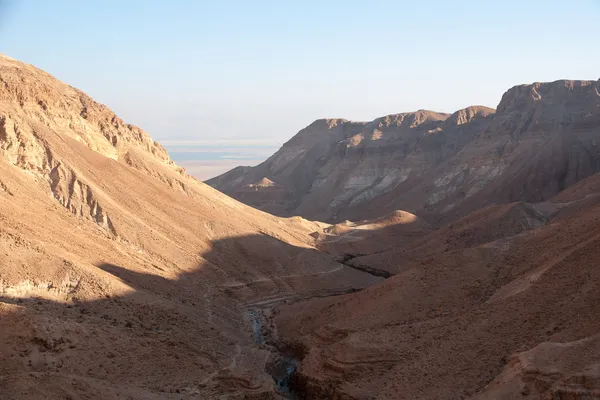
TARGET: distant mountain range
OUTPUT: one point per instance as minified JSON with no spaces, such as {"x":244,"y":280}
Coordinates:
{"x":541,"y":139}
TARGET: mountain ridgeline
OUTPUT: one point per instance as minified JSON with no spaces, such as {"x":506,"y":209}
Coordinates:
{"x":541,"y":139}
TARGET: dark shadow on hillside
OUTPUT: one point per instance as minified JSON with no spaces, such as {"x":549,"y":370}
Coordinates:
{"x":393,"y":248}
{"x":192,"y":337}
{"x":167,"y":337}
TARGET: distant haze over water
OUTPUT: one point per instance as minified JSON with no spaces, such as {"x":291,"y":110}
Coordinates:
{"x":205,"y":161}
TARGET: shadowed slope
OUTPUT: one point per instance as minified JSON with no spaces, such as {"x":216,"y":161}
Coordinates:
{"x":453,"y":317}
{"x":157,"y":336}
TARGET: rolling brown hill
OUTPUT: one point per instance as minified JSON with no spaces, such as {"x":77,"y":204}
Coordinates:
{"x":541,"y":139}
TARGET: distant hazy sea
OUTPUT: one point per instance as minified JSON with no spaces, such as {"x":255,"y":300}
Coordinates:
{"x":207,"y":161}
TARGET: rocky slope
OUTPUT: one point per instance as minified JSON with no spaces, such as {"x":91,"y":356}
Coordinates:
{"x":500,"y":304}
{"x":491,"y":284}
{"x":541,"y":139}
{"x":122,"y":277}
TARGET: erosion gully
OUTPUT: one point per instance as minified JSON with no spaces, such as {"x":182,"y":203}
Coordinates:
{"x":284,"y":362}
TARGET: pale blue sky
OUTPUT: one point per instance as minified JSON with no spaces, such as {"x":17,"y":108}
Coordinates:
{"x":204,"y":70}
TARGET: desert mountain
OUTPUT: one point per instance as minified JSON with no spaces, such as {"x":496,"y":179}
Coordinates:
{"x":123,"y":277}
{"x":541,"y":139}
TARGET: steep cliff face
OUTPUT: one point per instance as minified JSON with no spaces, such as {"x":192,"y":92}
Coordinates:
{"x":36,"y":110}
{"x":543,"y":138}
{"x":335,"y":165}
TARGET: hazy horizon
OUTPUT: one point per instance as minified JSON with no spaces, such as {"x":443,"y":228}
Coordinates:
{"x":232,"y":71}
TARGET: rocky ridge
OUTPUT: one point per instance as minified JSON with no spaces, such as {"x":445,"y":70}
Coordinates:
{"x":541,"y":139}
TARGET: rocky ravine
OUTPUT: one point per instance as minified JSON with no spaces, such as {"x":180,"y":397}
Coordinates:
{"x":541,"y":139}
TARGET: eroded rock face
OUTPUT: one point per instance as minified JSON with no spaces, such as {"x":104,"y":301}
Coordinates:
{"x":36,"y":109}
{"x":542,"y":138}
{"x":57,"y":106}
{"x":333,"y":165}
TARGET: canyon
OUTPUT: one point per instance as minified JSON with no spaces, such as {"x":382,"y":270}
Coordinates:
{"x":418,"y":256}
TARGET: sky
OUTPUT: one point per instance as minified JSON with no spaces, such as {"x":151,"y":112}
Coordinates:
{"x":256,"y":72}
